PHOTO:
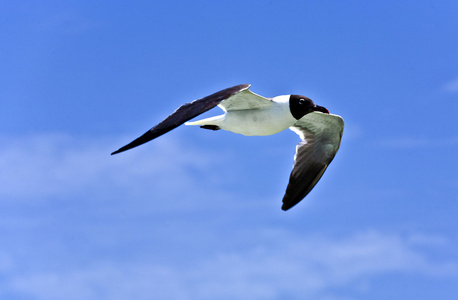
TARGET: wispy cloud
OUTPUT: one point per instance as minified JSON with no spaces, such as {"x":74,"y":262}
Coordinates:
{"x":127,"y":255}
{"x":415,"y":142}
{"x":308,"y":266}
{"x":56,"y":164}
{"x":451,"y":86}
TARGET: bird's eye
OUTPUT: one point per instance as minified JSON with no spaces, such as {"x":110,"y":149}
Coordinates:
{"x":301,"y":101}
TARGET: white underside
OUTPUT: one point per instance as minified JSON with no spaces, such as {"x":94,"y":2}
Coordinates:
{"x":253,"y":122}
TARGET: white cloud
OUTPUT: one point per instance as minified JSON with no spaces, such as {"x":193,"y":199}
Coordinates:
{"x":310,"y":266}
{"x":57,"y":165}
{"x":451,"y":86}
{"x":415,"y":142}
{"x":261,"y":263}
{"x":352,"y":131}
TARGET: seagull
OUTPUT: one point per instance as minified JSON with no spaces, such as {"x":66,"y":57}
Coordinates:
{"x":253,"y":115}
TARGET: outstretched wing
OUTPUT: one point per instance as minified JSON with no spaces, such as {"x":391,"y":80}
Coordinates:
{"x":321,"y":135}
{"x":184,"y":113}
{"x":245,"y":99}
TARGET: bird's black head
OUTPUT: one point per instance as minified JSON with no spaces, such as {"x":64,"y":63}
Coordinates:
{"x":300,"y":106}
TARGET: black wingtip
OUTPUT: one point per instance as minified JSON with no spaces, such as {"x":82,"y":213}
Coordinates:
{"x":184,"y":113}
{"x":137,"y":142}
{"x":122,"y":149}
{"x":284,"y":207}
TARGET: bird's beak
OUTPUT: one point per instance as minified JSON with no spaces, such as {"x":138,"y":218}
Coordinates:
{"x":321,"y":109}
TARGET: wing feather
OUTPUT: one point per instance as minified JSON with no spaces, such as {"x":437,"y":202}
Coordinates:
{"x":184,"y":113}
{"x":321,"y":135}
{"x":245,"y":100}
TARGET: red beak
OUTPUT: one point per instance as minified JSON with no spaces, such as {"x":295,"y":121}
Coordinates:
{"x":321,"y":109}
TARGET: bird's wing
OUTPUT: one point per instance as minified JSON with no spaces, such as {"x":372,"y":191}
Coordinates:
{"x":321,"y":134}
{"x":184,"y":113}
{"x":244,"y":100}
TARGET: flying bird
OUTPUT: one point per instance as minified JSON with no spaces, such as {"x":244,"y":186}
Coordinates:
{"x":253,"y":115}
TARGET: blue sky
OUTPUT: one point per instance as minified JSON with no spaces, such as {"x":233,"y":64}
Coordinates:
{"x":196,"y":214}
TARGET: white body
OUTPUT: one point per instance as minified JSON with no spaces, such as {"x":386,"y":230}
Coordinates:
{"x":257,"y":121}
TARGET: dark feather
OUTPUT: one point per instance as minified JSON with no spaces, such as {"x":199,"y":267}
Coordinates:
{"x":183,"y":114}
{"x":321,"y":134}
